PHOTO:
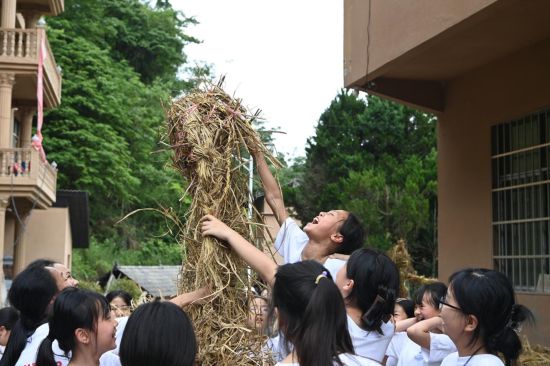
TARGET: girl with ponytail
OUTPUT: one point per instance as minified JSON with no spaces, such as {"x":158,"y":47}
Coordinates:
{"x":482,"y":318}
{"x":83,"y":326}
{"x":310,"y":307}
{"x":369,"y":283}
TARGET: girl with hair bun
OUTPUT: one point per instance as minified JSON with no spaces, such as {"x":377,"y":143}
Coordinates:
{"x":482,"y":318}
{"x":83,"y":326}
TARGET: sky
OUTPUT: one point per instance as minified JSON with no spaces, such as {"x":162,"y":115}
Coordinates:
{"x":284,"y":57}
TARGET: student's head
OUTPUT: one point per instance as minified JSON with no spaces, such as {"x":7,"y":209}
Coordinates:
{"x":427,"y":300}
{"x":31,"y":292}
{"x":8,"y":318}
{"x":81,"y":318}
{"x":60,"y":272}
{"x":480,"y":309}
{"x":404,"y":309}
{"x":257,"y":313}
{"x":158,"y":333}
{"x":343,"y":228}
{"x":120,"y":301}
{"x":311,"y":312}
{"x":370,"y":281}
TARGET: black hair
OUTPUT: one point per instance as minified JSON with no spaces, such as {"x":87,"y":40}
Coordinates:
{"x":31,"y":293}
{"x":119,"y":293}
{"x":41,"y":263}
{"x":354,"y":235}
{"x":407,"y":305}
{"x":418,"y":295}
{"x":312,"y":315}
{"x":73,"y":308}
{"x":376,"y":285}
{"x":489,"y":296}
{"x":158,"y":333}
{"x":435,"y":291}
{"x":8,"y":317}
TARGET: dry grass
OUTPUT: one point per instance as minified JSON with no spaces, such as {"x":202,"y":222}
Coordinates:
{"x":210,"y":133}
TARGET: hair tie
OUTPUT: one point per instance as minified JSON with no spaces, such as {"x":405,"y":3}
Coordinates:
{"x":322,"y":275}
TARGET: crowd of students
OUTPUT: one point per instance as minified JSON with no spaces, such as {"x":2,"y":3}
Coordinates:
{"x":333,"y":302}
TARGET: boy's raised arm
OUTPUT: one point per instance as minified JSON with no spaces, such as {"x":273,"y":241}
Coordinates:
{"x":273,"y":194}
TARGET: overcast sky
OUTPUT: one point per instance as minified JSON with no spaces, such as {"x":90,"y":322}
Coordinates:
{"x":283,"y":57}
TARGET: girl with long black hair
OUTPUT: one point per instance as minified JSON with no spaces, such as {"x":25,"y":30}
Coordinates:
{"x":83,"y":325}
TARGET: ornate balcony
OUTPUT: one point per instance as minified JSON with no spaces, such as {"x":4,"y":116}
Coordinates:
{"x":19,"y":55}
{"x":24,"y":175}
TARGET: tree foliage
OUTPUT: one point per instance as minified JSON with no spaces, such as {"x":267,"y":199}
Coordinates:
{"x":377,"y":159}
{"x":120,"y":62}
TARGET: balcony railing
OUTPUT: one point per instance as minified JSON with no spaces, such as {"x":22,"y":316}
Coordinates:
{"x":23,"y":174}
{"x":19,"y":51}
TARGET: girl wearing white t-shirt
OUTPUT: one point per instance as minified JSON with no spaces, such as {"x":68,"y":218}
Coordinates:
{"x":404,"y":309}
{"x":83,"y":325}
{"x":481,"y":317}
{"x":426,"y":346}
{"x":369,"y":283}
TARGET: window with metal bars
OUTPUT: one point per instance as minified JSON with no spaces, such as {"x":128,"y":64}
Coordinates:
{"x":520,"y":152}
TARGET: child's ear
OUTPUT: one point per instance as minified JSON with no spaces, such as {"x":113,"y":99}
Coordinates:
{"x":471,"y":323}
{"x":82,"y":335}
{"x":337,"y":238}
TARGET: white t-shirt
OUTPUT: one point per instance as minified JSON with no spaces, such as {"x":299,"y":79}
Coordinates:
{"x":476,"y":360}
{"x":413,"y":355}
{"x":347,"y":359}
{"x":370,"y":344}
{"x":28,"y":356}
{"x":290,"y":243}
{"x":395,"y":347}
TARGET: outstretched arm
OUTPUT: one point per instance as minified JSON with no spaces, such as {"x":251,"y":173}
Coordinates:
{"x":255,"y":258}
{"x":420,"y":332}
{"x":190,"y":297}
{"x":273,"y":194}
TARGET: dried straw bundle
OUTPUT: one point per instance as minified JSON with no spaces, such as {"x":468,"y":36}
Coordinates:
{"x":534,"y":355}
{"x":400,"y":255}
{"x":208,"y":130}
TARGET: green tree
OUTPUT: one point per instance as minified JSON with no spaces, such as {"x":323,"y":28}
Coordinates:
{"x":120,"y":68}
{"x":377,"y":159}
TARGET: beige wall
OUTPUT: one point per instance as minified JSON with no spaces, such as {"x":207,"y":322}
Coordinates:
{"x":48,"y":235}
{"x":395,"y":29}
{"x":498,"y":92}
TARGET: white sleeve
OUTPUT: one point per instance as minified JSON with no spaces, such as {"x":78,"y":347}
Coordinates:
{"x":440,"y":347}
{"x":290,"y":241}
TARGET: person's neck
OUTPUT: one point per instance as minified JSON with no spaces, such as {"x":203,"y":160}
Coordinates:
{"x":84,"y":357}
{"x":291,"y":358}
{"x":466,"y":349}
{"x":355,"y":314}
{"x":316,"y":251}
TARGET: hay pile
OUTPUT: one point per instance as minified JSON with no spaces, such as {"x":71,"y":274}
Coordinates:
{"x":209,"y":132}
{"x":534,"y":355}
{"x":407,"y":274}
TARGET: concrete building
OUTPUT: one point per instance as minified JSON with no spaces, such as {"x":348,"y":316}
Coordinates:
{"x":483,"y":67}
{"x":29,"y":227}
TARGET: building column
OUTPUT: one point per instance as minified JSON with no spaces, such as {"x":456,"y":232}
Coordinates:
{"x":8,"y":13}
{"x":7,"y":81}
{"x":31,"y":19}
{"x":27,"y":114}
{"x":4,"y":202}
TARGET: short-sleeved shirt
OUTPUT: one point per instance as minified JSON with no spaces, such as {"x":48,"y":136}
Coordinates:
{"x":28,"y":356}
{"x":476,"y":360}
{"x":395,"y":347}
{"x":370,"y":344}
{"x":291,"y":241}
{"x":414,"y":355}
{"x":347,"y":359}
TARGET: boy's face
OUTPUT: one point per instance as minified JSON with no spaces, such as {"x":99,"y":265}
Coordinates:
{"x":257,"y":313}
{"x":326,"y":225}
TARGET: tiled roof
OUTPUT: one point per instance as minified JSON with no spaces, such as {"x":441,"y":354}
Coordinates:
{"x":156,"y":280}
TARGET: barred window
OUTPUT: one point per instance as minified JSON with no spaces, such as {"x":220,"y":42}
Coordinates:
{"x":521,"y":201}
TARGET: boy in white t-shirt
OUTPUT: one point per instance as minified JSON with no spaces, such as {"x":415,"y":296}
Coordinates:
{"x":335,"y":231}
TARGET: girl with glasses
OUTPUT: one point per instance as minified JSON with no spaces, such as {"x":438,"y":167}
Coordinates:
{"x":482,"y":318}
